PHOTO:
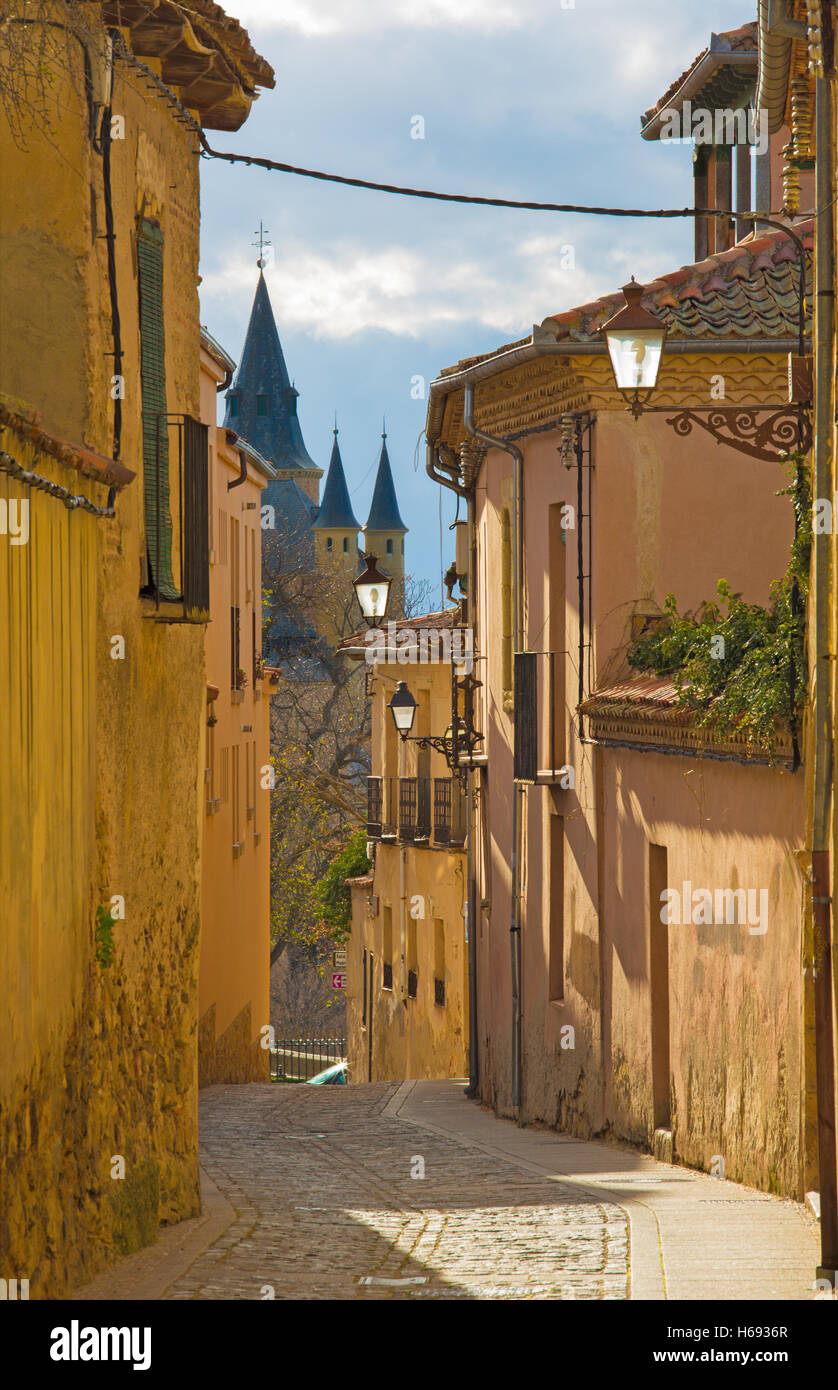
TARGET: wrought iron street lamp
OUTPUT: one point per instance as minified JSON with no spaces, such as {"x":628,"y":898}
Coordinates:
{"x":403,"y":709}
{"x":372,"y":590}
{"x":635,"y":341}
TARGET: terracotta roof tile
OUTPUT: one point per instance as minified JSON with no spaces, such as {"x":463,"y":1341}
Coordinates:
{"x":446,"y":618}
{"x":747,"y":292}
{"x":745,"y":39}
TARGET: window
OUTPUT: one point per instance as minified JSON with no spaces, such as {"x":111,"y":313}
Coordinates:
{"x":506,"y":607}
{"x":209,"y":774}
{"x":389,"y":547}
{"x":345,"y":544}
{"x":557,"y":556}
{"x":225,"y":779}
{"x":364,"y":1001}
{"x":238,"y":842}
{"x":235,"y":610}
{"x":412,"y":958}
{"x":328,"y":542}
{"x":387,"y":971}
{"x":659,"y":988}
{"x":261,"y":405}
{"x":234,"y":407}
{"x":555,"y":908}
{"x":158,"y":521}
{"x":249,"y":770}
{"x":439,"y":961}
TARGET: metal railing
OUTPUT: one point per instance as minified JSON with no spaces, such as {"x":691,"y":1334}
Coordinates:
{"x":298,"y":1059}
{"x":416,"y":809}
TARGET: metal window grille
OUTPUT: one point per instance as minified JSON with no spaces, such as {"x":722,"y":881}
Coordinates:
{"x":412,"y":984}
{"x":442,"y":810}
{"x":387,"y":975}
{"x":439,"y":992}
{"x":407,"y":807}
{"x":373,"y":807}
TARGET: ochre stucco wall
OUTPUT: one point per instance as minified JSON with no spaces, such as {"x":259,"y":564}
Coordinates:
{"x":103,"y":779}
{"x":235,"y":925}
{"x":412,"y":1038}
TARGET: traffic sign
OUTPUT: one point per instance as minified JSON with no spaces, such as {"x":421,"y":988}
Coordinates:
{"x":339,"y":981}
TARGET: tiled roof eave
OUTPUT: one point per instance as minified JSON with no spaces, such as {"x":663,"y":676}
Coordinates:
{"x":673,"y":729}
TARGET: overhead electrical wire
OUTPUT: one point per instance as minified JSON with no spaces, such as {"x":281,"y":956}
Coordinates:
{"x":274,"y":164}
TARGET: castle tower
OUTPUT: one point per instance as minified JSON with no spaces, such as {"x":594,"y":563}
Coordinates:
{"x":335,"y":528}
{"x":262,"y":403}
{"x":385,"y":531}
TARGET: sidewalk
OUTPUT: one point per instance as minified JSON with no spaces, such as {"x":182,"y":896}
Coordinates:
{"x":692,"y":1236}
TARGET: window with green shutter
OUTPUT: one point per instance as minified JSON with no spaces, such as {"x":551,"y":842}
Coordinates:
{"x":158,"y":521}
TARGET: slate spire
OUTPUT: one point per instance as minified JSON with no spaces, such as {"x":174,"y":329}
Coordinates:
{"x":384,"y":508}
{"x":262,"y":403}
{"x":336,"y":509}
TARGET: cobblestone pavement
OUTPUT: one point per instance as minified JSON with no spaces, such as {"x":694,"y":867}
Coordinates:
{"x":326,"y":1208}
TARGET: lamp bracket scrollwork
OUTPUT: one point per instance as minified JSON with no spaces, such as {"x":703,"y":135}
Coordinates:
{"x":771,"y":433}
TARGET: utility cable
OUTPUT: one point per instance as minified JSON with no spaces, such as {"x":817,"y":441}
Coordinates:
{"x":275,"y":164}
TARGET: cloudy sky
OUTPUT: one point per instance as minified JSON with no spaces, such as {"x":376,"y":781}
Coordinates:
{"x":528,"y":99}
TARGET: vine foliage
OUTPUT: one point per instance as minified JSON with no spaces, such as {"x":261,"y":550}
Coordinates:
{"x":754,"y":680}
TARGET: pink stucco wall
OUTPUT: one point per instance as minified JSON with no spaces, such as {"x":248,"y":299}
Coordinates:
{"x":669,"y":514}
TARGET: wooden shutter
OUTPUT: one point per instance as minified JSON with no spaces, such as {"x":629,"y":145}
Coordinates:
{"x":158,"y":521}
{"x":526,"y":717}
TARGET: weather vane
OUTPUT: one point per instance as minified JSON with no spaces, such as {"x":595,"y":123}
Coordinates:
{"x":262,"y":243}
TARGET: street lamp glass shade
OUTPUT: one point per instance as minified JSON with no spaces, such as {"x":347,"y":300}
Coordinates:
{"x":635,"y":341}
{"x":403,"y":709}
{"x":636,"y":358}
{"x":372,"y":589}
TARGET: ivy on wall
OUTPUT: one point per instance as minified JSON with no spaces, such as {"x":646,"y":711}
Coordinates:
{"x":740,"y":667}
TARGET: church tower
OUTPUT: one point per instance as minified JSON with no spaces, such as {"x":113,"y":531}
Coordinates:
{"x":262,"y":403}
{"x":335,"y":528}
{"x":385,"y":531}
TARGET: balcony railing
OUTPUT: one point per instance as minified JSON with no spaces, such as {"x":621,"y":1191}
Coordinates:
{"x":416,"y":810}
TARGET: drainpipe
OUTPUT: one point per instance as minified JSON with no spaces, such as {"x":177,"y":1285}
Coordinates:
{"x":471,"y":883}
{"x":442,"y":468}
{"x":242,"y":478}
{"x":517,"y":645}
{"x":821,"y":694}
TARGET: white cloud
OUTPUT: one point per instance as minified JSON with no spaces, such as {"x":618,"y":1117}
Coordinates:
{"x":326,"y":18}
{"x":340,"y":291}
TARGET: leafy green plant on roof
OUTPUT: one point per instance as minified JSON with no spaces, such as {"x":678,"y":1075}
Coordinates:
{"x":754,"y":681}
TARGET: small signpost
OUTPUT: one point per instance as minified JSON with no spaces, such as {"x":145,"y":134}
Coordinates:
{"x":339,"y":958}
{"x":338,"y":981}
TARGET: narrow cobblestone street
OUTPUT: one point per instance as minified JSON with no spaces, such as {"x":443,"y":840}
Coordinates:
{"x":326,"y":1208}
{"x":411,"y":1191}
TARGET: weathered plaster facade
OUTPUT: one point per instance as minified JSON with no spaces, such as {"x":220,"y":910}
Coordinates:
{"x":235,"y":923}
{"x":410,"y":1021}
{"x":102,"y":712}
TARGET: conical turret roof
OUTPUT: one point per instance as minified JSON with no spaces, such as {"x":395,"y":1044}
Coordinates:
{"x":336,"y":509}
{"x":384,"y":508}
{"x":262,"y":403}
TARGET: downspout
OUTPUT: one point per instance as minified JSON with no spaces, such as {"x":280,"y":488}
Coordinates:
{"x":821,"y":693}
{"x":447,"y":478}
{"x":517,"y":638}
{"x":471,"y":885}
{"x":242,"y":478}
